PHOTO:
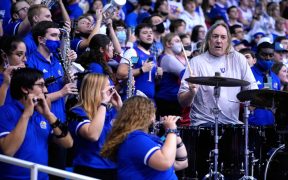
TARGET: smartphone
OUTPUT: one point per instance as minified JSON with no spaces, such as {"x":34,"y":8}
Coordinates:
{"x":134,"y":59}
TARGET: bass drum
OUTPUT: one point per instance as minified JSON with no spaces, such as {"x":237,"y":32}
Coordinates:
{"x":277,"y":165}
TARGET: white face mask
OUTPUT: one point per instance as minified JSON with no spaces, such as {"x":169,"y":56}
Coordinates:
{"x":176,"y":48}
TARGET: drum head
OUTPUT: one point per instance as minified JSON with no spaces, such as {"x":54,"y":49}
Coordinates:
{"x":278,"y":167}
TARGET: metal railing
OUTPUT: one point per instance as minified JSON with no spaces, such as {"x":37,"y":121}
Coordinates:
{"x":46,"y":169}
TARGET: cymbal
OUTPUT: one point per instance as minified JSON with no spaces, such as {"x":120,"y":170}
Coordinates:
{"x":264,"y":97}
{"x":217,"y":81}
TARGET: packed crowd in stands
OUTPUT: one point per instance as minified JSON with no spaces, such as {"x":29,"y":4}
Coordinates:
{"x":75,"y":76}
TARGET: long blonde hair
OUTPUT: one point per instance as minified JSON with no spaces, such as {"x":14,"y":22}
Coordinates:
{"x":90,"y":92}
{"x":135,"y":114}
{"x":205,"y":45}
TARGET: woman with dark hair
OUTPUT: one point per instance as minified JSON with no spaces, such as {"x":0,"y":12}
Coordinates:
{"x":91,"y":121}
{"x":12,"y":56}
{"x":281,"y":70}
{"x":138,"y":154}
{"x":96,"y":60}
{"x":198,"y":35}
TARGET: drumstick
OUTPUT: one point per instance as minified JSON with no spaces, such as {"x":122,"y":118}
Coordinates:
{"x":186,"y":59}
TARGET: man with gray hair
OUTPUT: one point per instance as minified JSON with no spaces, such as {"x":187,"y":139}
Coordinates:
{"x":217,"y":56}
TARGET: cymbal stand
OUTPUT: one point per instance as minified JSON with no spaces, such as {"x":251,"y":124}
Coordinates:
{"x":246,"y":149}
{"x":217,"y":175}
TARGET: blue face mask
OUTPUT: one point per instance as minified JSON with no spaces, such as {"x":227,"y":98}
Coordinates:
{"x":265,"y":64}
{"x":52,"y":45}
{"x":121,"y":35}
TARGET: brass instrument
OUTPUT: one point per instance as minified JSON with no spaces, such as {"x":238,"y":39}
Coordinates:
{"x":49,"y":3}
{"x":65,"y":62}
{"x":130,"y":82}
{"x":110,"y":8}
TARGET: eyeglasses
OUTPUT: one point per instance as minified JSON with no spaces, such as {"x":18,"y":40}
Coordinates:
{"x":24,"y":9}
{"x":41,"y":85}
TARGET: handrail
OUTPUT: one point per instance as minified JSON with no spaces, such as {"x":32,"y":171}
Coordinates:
{"x":38,"y":167}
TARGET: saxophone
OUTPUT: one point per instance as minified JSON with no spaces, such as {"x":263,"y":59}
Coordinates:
{"x":130,"y":82}
{"x":65,"y":62}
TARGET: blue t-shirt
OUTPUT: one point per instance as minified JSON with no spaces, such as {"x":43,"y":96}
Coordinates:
{"x":11,"y":29}
{"x":131,"y":19}
{"x":5,"y":6}
{"x":75,"y":11}
{"x":35,"y":145}
{"x":145,"y":82}
{"x":97,"y":68}
{"x":262,"y":116}
{"x":37,"y":61}
{"x":133,"y":157}
{"x":30,"y":44}
{"x":8,"y":98}
{"x":87,"y":153}
{"x":75,"y":46}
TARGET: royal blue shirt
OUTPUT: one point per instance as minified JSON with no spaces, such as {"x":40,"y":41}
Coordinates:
{"x":97,"y":68}
{"x":8,"y":98}
{"x":75,"y":46}
{"x":5,"y":6}
{"x":75,"y":11}
{"x":35,"y":145}
{"x":133,"y":157}
{"x":37,"y":61}
{"x":169,"y":86}
{"x":145,"y":82}
{"x":87,"y":153}
{"x":30,"y":44}
{"x":11,"y":29}
{"x":262,"y":116}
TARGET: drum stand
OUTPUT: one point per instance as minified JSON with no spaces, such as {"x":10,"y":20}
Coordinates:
{"x":215,"y":175}
{"x":246,"y":149}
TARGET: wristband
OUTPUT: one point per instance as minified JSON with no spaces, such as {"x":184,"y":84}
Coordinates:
{"x":180,"y":144}
{"x":175,"y":131}
{"x":62,"y":127}
{"x":55,"y":124}
{"x":104,"y":104}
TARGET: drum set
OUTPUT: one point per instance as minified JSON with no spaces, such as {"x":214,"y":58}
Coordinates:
{"x":240,"y":151}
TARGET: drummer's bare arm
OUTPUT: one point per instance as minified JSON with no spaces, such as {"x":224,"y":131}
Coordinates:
{"x":185,"y":98}
{"x":181,"y":161}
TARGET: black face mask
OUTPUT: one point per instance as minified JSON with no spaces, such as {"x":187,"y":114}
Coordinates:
{"x":146,"y":46}
{"x":164,"y":13}
{"x":188,"y":48}
{"x":159,"y":28}
{"x":85,"y":35}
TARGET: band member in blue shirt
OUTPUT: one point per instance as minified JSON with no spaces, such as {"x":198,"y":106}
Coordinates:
{"x":144,"y":65}
{"x":138,"y":154}
{"x":93,"y":123}
{"x":27,"y":123}
{"x":12,"y":56}
{"x":46,"y":59}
